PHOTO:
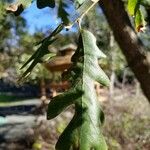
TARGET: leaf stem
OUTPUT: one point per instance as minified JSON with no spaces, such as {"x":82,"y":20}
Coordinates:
{"x":78,"y":19}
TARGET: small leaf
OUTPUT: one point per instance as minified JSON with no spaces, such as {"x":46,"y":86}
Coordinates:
{"x":133,"y":6}
{"x":62,"y":13}
{"x":45,"y":3}
{"x":139,"y":21}
{"x":17,"y":9}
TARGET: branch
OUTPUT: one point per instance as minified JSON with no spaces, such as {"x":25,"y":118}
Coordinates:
{"x":128,"y":41}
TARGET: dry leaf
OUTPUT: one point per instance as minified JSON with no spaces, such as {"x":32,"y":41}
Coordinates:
{"x":17,"y":9}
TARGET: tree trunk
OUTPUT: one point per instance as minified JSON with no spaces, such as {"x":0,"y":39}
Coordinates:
{"x":124,"y":79}
{"x":43,"y":90}
{"x":113,"y":58}
{"x":112,"y":83}
{"x":128,"y":41}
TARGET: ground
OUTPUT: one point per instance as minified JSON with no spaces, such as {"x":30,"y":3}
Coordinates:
{"x":127,"y":124}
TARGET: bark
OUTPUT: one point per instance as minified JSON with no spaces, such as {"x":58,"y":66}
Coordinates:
{"x":43,"y":89}
{"x":128,"y":41}
{"x":113,"y":58}
{"x":112,"y":83}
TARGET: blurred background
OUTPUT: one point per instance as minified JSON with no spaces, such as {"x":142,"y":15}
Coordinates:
{"x":23,"y":124}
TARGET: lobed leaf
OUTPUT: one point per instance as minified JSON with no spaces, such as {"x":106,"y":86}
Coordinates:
{"x":83,"y":131}
{"x":93,"y":53}
{"x":60,"y":102}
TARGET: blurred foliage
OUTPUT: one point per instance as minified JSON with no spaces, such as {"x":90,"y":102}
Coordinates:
{"x":37,"y":145}
{"x":24,"y":42}
{"x":7,"y":98}
{"x":17,"y":45}
{"x":98,"y":26}
{"x":61,"y":127}
{"x":39,"y":71}
{"x":127,"y":125}
{"x":10,"y":29}
{"x":62,"y":13}
{"x":145,"y":38}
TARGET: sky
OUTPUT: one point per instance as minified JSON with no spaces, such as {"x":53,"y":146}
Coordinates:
{"x":41,"y":19}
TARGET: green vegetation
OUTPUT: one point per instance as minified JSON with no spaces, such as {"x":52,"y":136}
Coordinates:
{"x":84,"y":131}
{"x":11,"y":100}
{"x":127,"y":123}
{"x":7,"y":98}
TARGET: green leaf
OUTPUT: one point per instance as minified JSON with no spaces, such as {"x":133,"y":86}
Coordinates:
{"x":145,"y":3}
{"x":134,"y":10}
{"x":132,"y":7}
{"x":45,"y":3}
{"x":139,"y":20}
{"x":62,"y":13}
{"x":94,"y":71}
{"x":60,"y":102}
{"x":53,"y":34}
{"x":83,"y":131}
{"x":18,"y":7}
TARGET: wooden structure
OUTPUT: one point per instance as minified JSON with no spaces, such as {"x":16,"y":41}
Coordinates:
{"x":61,"y":62}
